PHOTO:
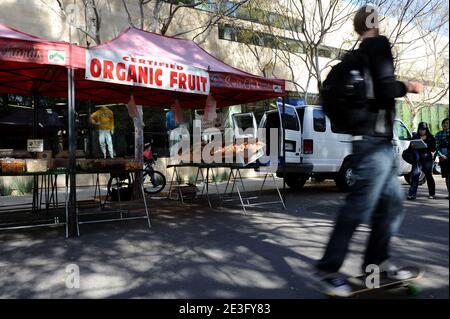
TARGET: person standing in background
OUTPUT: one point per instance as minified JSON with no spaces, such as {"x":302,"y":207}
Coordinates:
{"x":103,"y":119}
{"x":442,"y":150}
{"x":424,"y":162}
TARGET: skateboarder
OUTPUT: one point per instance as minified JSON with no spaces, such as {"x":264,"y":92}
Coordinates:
{"x":377,"y":196}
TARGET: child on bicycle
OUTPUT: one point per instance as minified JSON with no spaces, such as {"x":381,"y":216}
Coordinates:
{"x":148,"y":153}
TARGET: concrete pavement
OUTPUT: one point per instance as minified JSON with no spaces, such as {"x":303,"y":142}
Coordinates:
{"x":193,"y":251}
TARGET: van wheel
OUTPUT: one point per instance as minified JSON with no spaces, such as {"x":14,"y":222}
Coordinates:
{"x":345,"y":178}
{"x":422,"y":178}
{"x":295,"y":182}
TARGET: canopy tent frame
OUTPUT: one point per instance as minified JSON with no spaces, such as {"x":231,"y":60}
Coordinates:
{"x":30,"y":76}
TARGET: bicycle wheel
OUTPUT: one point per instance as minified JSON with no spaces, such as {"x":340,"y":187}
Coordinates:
{"x":154,"y":182}
{"x":119,"y":186}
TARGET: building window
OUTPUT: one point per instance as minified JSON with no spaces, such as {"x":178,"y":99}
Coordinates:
{"x":324,"y":52}
{"x":231,"y":33}
{"x":227,"y":32}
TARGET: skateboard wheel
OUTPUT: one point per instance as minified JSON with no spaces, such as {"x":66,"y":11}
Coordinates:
{"x":413,"y":290}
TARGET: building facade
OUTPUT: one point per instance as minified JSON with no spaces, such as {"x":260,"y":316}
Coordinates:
{"x":269,"y":38}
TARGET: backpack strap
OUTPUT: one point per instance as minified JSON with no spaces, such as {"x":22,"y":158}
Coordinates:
{"x":370,"y":94}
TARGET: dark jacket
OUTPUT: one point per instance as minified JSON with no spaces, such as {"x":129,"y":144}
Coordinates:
{"x":381,"y":110}
{"x":425,"y":153}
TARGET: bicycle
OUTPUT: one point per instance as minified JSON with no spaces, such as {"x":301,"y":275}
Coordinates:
{"x":120,"y":185}
{"x":153,"y":180}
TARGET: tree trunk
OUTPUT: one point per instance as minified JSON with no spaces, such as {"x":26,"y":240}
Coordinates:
{"x":92,"y":20}
{"x":141,"y":11}
{"x":139,"y":156}
{"x":155,"y":16}
{"x":412,"y":118}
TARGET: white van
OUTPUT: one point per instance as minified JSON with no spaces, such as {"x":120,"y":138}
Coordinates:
{"x":314,"y":149}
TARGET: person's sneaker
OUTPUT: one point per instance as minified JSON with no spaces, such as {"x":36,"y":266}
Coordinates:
{"x":432,"y":197}
{"x":390,"y":271}
{"x":332,"y":284}
{"x":410,"y":197}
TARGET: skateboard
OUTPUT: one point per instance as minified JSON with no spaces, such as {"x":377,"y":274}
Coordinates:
{"x":358,"y":284}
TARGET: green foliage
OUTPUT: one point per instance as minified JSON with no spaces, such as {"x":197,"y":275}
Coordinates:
{"x":219,"y":178}
{"x":5,"y":190}
{"x":191,"y":179}
{"x":432,"y":114}
{"x":22,"y":186}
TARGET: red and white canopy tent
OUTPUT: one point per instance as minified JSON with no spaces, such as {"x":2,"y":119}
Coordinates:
{"x":135,"y":50}
{"x":155,"y":69}
{"x":30,"y":64}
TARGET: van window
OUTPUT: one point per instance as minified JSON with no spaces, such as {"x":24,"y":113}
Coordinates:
{"x":291,"y":119}
{"x":301,"y":115}
{"x":319,"y":121}
{"x":244,"y":122}
{"x":336,"y":130}
{"x":272,"y":121}
{"x":401,"y":131}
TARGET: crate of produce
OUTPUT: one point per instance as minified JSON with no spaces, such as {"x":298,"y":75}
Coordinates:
{"x":36,"y":165}
{"x":132,"y":165}
{"x":13,"y":165}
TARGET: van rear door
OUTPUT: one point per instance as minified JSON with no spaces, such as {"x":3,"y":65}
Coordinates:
{"x":401,"y":140}
{"x":244,"y":125}
{"x":293,"y":142}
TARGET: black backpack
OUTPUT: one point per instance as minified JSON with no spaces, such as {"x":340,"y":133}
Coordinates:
{"x":345,"y":92}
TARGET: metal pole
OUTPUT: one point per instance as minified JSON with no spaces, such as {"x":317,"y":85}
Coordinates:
{"x":73,"y":224}
{"x":35,"y":114}
{"x":90,"y":133}
{"x":72,"y":154}
{"x":284,"y":149}
{"x":35,"y":205}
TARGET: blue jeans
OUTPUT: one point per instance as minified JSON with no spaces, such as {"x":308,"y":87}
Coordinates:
{"x":422,"y":165}
{"x":376,"y":199}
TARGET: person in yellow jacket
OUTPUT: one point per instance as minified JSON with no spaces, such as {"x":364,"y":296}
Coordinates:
{"x":103,"y":119}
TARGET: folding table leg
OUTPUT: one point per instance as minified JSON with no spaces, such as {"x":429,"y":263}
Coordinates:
{"x":207,"y":186}
{"x":278,"y":190}
{"x":171,"y":183}
{"x":203,"y":180}
{"x":196,"y":179}
{"x":240,"y":197}
{"x":56,"y":191}
{"x":264,"y":182}
{"x":51,"y":191}
{"x":95,"y":189}
{"x":145,"y":205}
{"x":47,"y":191}
{"x":234,"y":181}
{"x":228,"y":182}
{"x":243,"y":186}
{"x":215,"y":183}
{"x":180,"y":193}
{"x":66,"y":200}
{"x":118,"y":196}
